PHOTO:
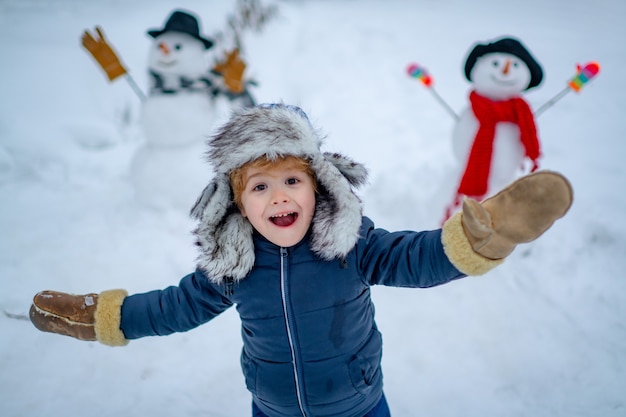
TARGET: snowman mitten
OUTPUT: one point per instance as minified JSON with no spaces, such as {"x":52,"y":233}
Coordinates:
{"x":520,"y":213}
{"x":232,"y":70}
{"x":103,"y":54}
{"x":88,"y":317}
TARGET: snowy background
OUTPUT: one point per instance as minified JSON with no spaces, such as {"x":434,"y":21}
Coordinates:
{"x":543,"y":335}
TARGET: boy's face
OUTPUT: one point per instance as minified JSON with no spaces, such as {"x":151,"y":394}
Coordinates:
{"x":279,"y":202}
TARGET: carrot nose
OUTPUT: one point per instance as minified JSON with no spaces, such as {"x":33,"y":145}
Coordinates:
{"x":163,"y":47}
{"x":505,"y":70}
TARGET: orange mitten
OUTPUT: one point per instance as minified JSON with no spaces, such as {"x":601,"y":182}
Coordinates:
{"x":103,"y":54}
{"x":232,"y":71}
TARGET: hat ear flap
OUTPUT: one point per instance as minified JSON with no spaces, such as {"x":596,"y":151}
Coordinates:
{"x":223,"y":234}
{"x":233,"y":251}
{"x":337,"y":217}
{"x":203,"y":201}
{"x":214,"y":200}
{"x":355,"y":173}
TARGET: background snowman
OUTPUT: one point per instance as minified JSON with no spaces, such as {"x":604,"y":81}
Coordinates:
{"x":495,"y":135}
{"x":177,"y":115}
{"x":186,"y":99}
{"x":179,"y":80}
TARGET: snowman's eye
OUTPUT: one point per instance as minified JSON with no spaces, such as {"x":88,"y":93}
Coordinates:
{"x":178,"y":47}
{"x":496,"y":64}
{"x":515,"y":64}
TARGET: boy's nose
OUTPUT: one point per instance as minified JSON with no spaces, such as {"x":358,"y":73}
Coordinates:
{"x":279,"y":197}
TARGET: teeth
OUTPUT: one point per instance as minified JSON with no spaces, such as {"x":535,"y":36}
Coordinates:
{"x":282,"y":215}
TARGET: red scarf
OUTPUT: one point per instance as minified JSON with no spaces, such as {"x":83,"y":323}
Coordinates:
{"x":489,"y":113}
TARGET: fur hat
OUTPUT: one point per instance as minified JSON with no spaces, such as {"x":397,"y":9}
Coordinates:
{"x":509,"y":46}
{"x":272,"y":131}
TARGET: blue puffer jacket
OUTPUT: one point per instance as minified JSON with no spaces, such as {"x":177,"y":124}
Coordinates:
{"x":310,"y":342}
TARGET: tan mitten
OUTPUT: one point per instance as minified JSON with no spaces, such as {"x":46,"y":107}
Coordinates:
{"x":520,"y":213}
{"x":85,"y":317}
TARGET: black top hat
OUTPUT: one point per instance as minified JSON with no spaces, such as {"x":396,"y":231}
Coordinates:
{"x":183,"y":22}
{"x":509,"y":46}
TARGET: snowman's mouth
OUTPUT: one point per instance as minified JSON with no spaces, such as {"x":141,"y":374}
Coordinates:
{"x":284,"y":220}
{"x":167,"y":63}
{"x":503,"y":82}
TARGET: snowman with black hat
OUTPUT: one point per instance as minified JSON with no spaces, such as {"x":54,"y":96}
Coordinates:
{"x":179,"y":81}
{"x":495,"y":137}
{"x":178,"y":114}
{"x":186,"y":99}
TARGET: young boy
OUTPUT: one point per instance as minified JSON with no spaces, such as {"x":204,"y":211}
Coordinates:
{"x":282,"y":237}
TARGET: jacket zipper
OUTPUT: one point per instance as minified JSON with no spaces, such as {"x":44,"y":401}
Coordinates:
{"x":287,"y":313}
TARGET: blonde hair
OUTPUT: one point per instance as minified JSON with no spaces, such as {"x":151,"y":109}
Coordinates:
{"x":238,"y":176}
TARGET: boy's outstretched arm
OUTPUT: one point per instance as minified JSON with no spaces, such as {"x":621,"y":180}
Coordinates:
{"x":520,"y":213}
{"x":113,"y":317}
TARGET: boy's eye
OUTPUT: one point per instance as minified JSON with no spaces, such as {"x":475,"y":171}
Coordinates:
{"x":293,"y":181}
{"x":259,"y":187}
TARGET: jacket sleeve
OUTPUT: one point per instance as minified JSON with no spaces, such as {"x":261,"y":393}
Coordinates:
{"x":404,"y":259}
{"x":193,"y":302}
{"x":418,"y":259}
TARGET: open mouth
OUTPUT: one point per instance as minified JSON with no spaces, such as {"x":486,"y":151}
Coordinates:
{"x":284,"y":220}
